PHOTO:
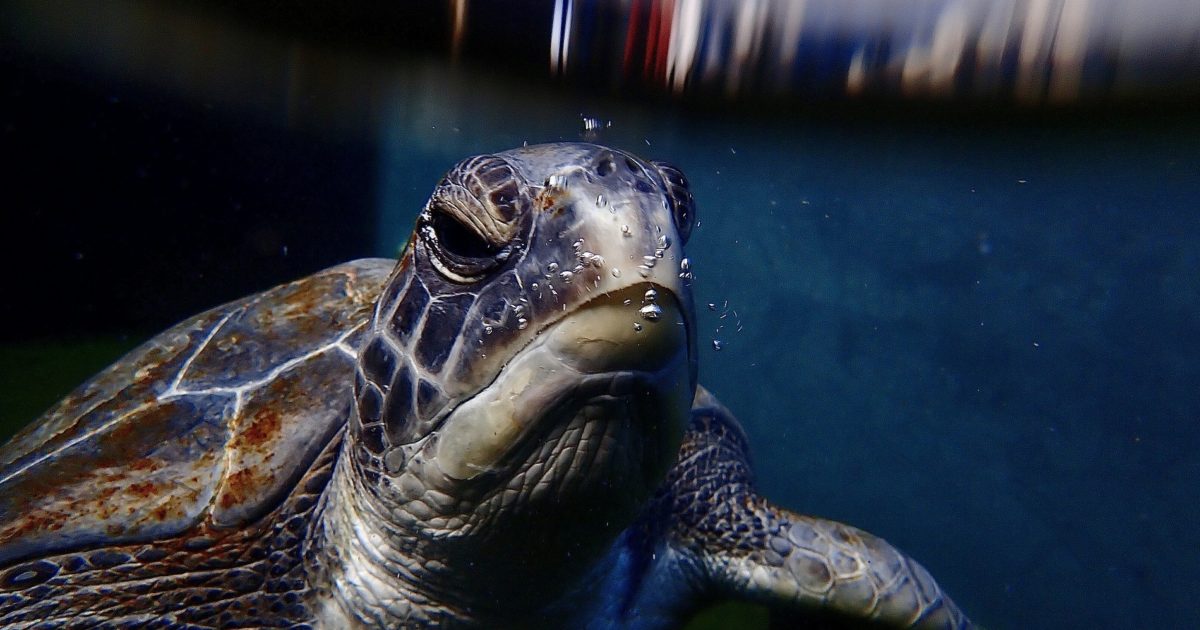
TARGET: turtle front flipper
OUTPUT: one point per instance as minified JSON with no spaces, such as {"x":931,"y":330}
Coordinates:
{"x":727,"y":542}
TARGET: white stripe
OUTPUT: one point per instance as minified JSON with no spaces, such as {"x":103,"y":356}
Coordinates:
{"x":566,"y":47}
{"x":556,"y":37}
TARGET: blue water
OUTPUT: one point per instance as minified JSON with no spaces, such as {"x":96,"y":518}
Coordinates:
{"x":980,"y":344}
{"x":974,"y":338}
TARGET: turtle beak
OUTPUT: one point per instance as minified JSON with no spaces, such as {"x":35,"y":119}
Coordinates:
{"x":606,"y":349}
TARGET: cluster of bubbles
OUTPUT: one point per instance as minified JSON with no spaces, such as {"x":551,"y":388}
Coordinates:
{"x":717,"y":344}
{"x":648,"y":311}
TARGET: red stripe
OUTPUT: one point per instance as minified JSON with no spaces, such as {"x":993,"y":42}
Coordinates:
{"x":631,"y":37}
{"x":652,"y":39}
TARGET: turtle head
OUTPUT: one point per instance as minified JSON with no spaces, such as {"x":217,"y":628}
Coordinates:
{"x":531,"y":364}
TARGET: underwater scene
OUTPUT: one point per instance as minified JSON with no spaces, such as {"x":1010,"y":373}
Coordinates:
{"x":971,"y":331}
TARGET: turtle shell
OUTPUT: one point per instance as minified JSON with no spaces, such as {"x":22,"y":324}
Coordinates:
{"x":214,"y":420}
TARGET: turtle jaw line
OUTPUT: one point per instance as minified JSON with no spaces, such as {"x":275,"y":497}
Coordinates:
{"x":620,"y":387}
{"x":599,"y":349}
{"x":632,"y":292}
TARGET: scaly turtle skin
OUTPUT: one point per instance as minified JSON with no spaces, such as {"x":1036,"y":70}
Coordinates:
{"x":480,"y":435}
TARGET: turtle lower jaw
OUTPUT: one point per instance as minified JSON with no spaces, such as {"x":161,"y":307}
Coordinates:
{"x":605,"y":349}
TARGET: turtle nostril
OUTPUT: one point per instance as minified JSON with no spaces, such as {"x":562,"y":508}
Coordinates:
{"x":605,"y":167}
{"x":682,"y":205}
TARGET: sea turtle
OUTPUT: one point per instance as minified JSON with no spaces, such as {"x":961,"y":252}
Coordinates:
{"x":502,"y":429}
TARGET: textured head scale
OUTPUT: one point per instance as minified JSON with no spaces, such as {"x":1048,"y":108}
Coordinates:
{"x":534,"y":344}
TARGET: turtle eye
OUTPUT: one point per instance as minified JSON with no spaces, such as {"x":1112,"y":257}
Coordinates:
{"x":472,"y":222}
{"x":459,"y":252}
{"x":459,"y":241}
{"x":683,"y":206}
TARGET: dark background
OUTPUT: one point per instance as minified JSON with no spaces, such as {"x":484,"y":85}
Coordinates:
{"x":972,"y":331}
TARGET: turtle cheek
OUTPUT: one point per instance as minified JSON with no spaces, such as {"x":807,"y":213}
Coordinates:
{"x":370,"y":429}
{"x":398,"y":406}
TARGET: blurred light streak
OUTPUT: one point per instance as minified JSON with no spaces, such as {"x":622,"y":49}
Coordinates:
{"x":1027,"y":52}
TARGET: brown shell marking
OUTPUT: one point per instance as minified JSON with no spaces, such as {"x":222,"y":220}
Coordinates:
{"x":205,"y":577}
{"x":215,"y":417}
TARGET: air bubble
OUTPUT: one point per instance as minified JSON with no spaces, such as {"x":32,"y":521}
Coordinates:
{"x":651,"y":312}
{"x":685,"y":265}
{"x":522,"y":323}
{"x":664,"y":242}
{"x":637,"y":327}
{"x":659,"y":253}
{"x":556,"y":182}
{"x":644,"y":271}
{"x":601,"y":201}
{"x":650,"y":297}
{"x":649,"y":261}
{"x":717,"y":345}
{"x":487,"y":330}
{"x":567,"y":276}
{"x":552,"y":267}
{"x":597,"y":261}
{"x":626,"y":231}
{"x":616,"y":273}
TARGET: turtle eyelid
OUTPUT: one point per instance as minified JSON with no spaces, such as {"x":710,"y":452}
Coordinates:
{"x":457,"y":248}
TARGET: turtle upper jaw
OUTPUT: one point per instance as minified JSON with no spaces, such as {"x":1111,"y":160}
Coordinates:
{"x":631,"y":343}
